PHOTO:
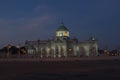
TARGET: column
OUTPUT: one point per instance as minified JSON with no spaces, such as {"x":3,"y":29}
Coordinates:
{"x":48,"y":52}
{"x":64,"y":51}
{"x":54,"y":54}
{"x":74,"y":51}
{"x":96,"y":50}
{"x":87,"y":50}
{"x":59,"y":51}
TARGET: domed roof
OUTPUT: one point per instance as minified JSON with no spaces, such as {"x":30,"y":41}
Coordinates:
{"x":62,"y":28}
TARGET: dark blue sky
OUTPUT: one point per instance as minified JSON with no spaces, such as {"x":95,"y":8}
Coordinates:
{"x":22,"y":20}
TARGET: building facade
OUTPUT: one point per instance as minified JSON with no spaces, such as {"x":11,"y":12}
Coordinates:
{"x":62,"y":46}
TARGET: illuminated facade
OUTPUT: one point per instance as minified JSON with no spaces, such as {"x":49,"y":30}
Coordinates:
{"x":62,"y":46}
{"x":62,"y":31}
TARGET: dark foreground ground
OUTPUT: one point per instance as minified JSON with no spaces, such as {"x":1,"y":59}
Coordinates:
{"x":60,"y":70}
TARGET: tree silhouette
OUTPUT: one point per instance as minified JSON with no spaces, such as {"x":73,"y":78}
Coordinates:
{"x":13,"y":50}
{"x":23,"y":50}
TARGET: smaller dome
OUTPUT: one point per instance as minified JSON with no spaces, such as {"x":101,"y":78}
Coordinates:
{"x":92,"y":38}
{"x":62,"y":27}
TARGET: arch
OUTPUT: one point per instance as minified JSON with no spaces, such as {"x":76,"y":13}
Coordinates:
{"x":81,"y":51}
{"x":92,"y":51}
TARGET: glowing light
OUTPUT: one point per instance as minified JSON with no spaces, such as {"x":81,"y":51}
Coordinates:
{"x":62,"y":33}
{"x":70,"y":49}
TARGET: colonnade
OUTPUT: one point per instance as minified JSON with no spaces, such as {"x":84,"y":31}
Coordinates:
{"x":53,"y":52}
{"x":63,"y":51}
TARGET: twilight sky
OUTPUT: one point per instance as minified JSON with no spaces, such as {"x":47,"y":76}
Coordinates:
{"x":22,"y":20}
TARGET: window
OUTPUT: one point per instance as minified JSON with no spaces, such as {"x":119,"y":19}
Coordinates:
{"x":60,"y":34}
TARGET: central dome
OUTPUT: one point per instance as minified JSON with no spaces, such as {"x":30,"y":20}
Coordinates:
{"x":62,"y":28}
{"x":62,"y":31}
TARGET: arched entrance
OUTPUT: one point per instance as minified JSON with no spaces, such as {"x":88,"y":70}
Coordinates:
{"x":70,"y":52}
{"x":81,"y":51}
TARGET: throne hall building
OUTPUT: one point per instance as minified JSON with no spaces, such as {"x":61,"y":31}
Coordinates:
{"x":62,"y":46}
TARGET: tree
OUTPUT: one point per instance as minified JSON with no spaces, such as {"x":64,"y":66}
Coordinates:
{"x":23,"y":50}
{"x":13,"y":50}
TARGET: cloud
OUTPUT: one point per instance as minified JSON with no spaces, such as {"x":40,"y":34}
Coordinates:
{"x":40,"y":8}
{"x":14,"y":26}
{"x":13,"y":30}
{"x":27,"y":27}
{"x":38,"y":22}
{"x":40,"y":17}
